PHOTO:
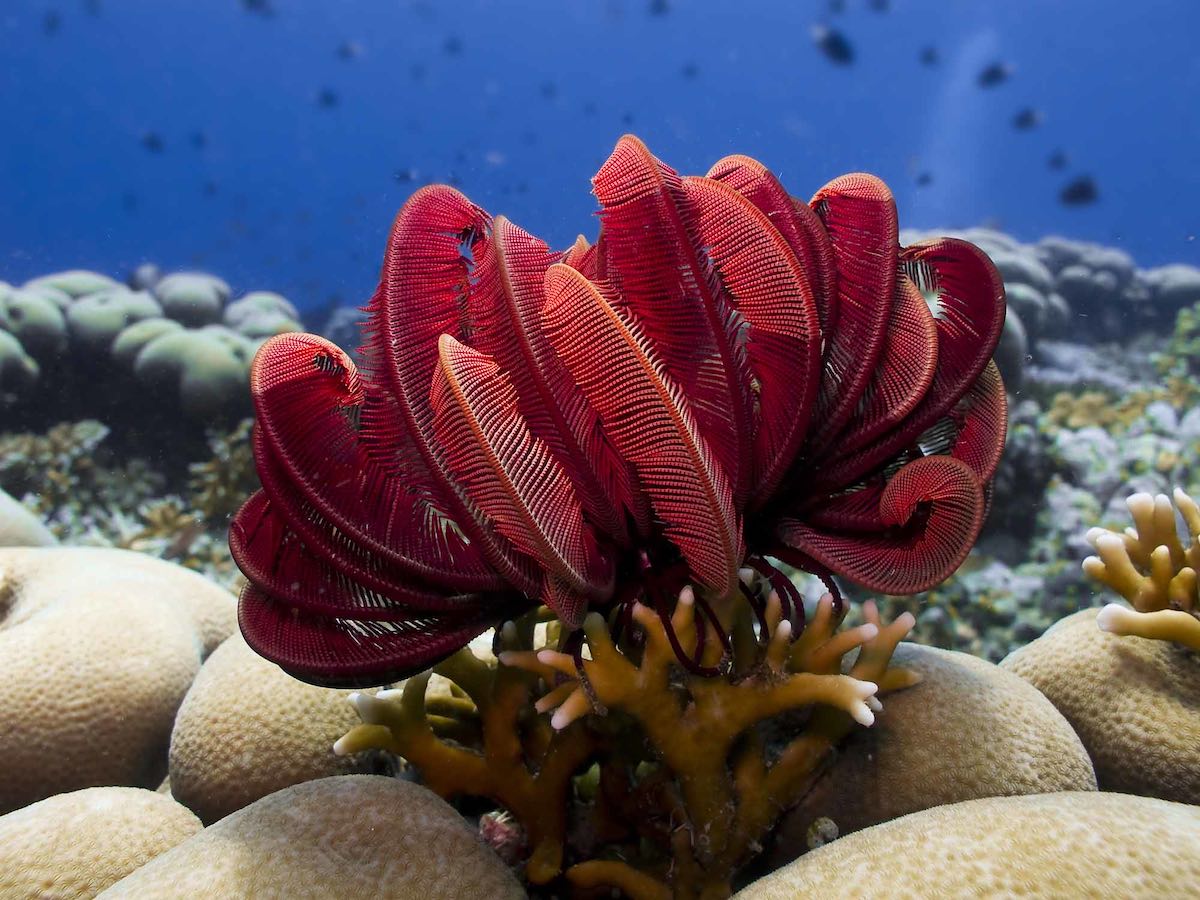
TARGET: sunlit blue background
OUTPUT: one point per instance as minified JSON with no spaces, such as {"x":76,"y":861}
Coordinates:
{"x":520,"y":102}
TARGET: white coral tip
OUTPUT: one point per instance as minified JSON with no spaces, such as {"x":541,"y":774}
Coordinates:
{"x":862,"y":714}
{"x":370,"y":709}
{"x":1109,"y":618}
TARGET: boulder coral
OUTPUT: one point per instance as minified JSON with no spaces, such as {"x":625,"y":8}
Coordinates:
{"x":204,"y":370}
{"x":21,"y":528}
{"x":192,"y":298}
{"x":348,"y":836}
{"x":1041,"y":846}
{"x":967,"y":730}
{"x":60,"y":335}
{"x":261,"y":314}
{"x":97,"y":649}
{"x":72,"y":846}
{"x":35,"y":320}
{"x":1134,"y":702}
{"x":246,"y":729}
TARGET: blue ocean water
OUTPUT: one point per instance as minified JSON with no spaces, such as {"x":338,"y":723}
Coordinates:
{"x":271,"y":142}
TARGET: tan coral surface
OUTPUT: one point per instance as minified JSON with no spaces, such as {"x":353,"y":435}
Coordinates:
{"x":1072,"y":844}
{"x":97,"y":649}
{"x":1135,"y":703}
{"x":349,"y":836}
{"x":247,"y":729}
{"x":75,"y":845}
{"x":967,"y":730}
{"x":21,"y":528}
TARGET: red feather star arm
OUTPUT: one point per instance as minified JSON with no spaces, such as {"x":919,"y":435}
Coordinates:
{"x":514,"y":478}
{"x":969,"y":319}
{"x":512,"y":271}
{"x":902,"y":376}
{"x":651,"y":253}
{"x":933,"y":510}
{"x":650,"y":422}
{"x":799,"y":225}
{"x":426,"y":291}
{"x":306,"y":391}
{"x":859,"y":214}
{"x":766,"y":286}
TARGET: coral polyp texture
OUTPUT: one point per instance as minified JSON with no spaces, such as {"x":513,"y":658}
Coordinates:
{"x":1151,"y":567}
{"x":678,"y":784}
{"x":726,"y":375}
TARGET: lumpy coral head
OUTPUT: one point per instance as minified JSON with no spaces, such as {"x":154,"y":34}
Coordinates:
{"x":727,"y":373}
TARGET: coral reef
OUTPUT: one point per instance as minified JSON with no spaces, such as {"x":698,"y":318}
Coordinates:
{"x":1153,"y":569}
{"x":685,"y":773}
{"x":89,"y":492}
{"x":79,"y":343}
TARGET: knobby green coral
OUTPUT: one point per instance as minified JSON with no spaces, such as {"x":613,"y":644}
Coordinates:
{"x":624,"y":770}
{"x":1153,"y":569}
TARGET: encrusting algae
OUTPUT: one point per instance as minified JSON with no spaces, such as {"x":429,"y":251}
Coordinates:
{"x":1153,"y":569}
{"x":688,"y":773}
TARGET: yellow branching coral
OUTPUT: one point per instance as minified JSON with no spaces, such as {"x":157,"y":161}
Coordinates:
{"x":671,"y":779}
{"x":1153,"y":569}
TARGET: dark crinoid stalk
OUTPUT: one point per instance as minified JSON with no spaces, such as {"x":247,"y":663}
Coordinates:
{"x":728,"y":374}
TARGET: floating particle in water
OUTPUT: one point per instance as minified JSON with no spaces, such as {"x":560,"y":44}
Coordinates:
{"x":92,"y":7}
{"x":51,"y":22}
{"x":1027,"y":119}
{"x":924,"y":179}
{"x":198,"y":139}
{"x":1057,"y":161}
{"x":152,"y":141}
{"x":627,"y":118}
{"x":1080,"y":192}
{"x":833,"y":44}
{"x":522,"y":187}
{"x":209,"y":189}
{"x":262,"y":8}
{"x":690,"y":70}
{"x":328,"y":98}
{"x":453,"y":46}
{"x":454,"y":180}
{"x":658,"y":7}
{"x":404,"y":176}
{"x":879,"y":6}
{"x":929,"y":56}
{"x":837,"y":7}
{"x":349,"y":50}
{"x":995,"y":74}
{"x":548,"y":90}
{"x":130,"y":202}
{"x":589,"y":107}
{"x":417,"y":71}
